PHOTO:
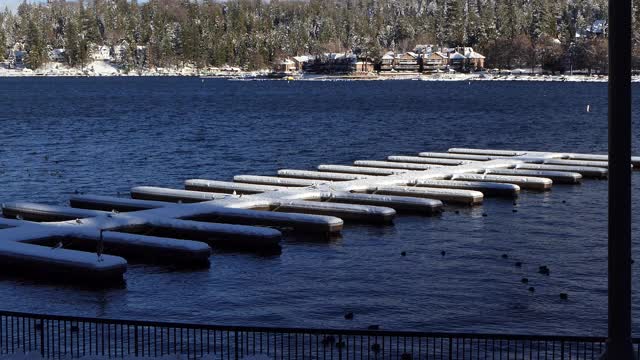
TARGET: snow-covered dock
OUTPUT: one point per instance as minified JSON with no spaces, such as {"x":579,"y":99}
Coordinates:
{"x":92,"y":238}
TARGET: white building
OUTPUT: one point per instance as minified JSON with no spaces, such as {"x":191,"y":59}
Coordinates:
{"x":57,"y":55}
{"x":120,"y":51}
{"x":101,"y":53}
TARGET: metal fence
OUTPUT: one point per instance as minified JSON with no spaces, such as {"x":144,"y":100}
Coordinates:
{"x":72,"y":337}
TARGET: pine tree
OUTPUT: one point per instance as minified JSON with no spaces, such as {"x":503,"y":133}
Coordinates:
{"x":72,"y":43}
{"x":36,"y":48}
{"x":542,"y":20}
{"x":507,"y":19}
{"x":454,"y":26}
{"x":474,"y":26}
{"x":3,"y":38}
{"x":90,"y":31}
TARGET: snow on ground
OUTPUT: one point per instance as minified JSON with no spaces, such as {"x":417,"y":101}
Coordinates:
{"x":94,"y":68}
{"x":105,"y":68}
{"x":102,"y":68}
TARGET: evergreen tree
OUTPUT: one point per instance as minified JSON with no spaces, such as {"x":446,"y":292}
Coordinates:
{"x":90,"y":31}
{"x":3,"y":38}
{"x":542,"y":20}
{"x":507,"y":19}
{"x":474,"y":26}
{"x":35,"y":46}
{"x":455,"y":23}
{"x":3,"y":46}
{"x":72,"y":44}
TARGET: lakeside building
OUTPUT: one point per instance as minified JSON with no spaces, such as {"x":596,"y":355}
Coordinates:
{"x":429,"y":59}
{"x":365,"y":66}
{"x":119,"y":52}
{"x":16,"y":55}
{"x":387,"y":61}
{"x":436,"y":61}
{"x":457,"y":61}
{"x":285,"y":66}
{"x":101,"y":53}
{"x":301,"y":60}
{"x":424,"y":59}
{"x":475,"y":60}
{"x":408,"y":62}
{"x":598,"y":29}
{"x":56,"y":55}
{"x":327,"y":63}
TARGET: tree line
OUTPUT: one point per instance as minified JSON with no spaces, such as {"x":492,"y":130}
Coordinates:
{"x":254,"y":34}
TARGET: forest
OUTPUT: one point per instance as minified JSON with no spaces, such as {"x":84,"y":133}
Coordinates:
{"x":254,"y":34}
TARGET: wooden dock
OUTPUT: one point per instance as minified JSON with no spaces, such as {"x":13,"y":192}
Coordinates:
{"x":93,"y":237}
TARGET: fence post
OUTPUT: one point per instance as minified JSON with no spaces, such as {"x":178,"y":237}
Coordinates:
{"x":42,"y":337}
{"x":561,"y":349}
{"x":619,"y":345}
{"x":450,"y":347}
{"x":340,"y":347}
{"x":135,"y":339}
{"x":235,"y":344}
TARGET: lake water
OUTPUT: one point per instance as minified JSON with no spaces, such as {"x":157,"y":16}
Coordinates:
{"x":103,"y":136}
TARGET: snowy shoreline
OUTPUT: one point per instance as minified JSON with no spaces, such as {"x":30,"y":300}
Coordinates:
{"x":105,"y":69}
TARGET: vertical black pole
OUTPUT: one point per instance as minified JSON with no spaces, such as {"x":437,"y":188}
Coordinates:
{"x":619,"y":345}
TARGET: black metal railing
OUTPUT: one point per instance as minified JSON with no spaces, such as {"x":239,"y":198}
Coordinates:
{"x":55,"y":336}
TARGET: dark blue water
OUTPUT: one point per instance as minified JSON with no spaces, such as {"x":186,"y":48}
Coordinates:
{"x":103,"y":136}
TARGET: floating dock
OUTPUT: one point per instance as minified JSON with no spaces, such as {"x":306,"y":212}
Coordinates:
{"x":92,"y":238}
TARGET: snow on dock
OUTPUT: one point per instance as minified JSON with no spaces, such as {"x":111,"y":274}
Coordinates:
{"x":399,"y":203}
{"x":635,"y":160}
{"x":92,"y":238}
{"x":586,"y":172}
{"x":486,"y":188}
{"x":317,"y":175}
{"x":525,"y":182}
{"x":432,"y":161}
{"x":393,"y":165}
{"x":162,"y":194}
{"x":276,"y":181}
{"x":465,"y":197}
{"x":558,"y":177}
{"x":361,"y":170}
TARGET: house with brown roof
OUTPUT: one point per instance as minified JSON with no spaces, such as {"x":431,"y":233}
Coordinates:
{"x":301,"y":60}
{"x":475,"y":60}
{"x":408,"y":62}
{"x":435,"y":61}
{"x":457,"y":61}
{"x":387,"y":62}
{"x":285,"y":66}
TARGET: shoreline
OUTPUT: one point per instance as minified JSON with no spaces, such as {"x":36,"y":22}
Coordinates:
{"x":104,"y":69}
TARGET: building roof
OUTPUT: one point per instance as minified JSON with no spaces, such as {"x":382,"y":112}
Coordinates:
{"x":302,"y":58}
{"x":423,"y":48}
{"x":388,"y":56}
{"x":475,"y":55}
{"x":287,"y":62}
{"x":456,"y":56}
